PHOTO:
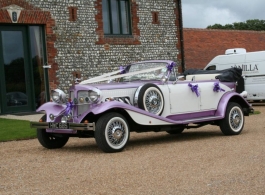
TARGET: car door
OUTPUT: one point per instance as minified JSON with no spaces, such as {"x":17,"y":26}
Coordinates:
{"x":182,"y":99}
{"x":210,"y":98}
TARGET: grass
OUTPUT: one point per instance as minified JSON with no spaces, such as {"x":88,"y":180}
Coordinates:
{"x":15,"y":130}
{"x":255,"y":112}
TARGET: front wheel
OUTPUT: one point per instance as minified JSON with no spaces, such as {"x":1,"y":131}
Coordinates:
{"x":233,"y":122}
{"x":112,"y":132}
{"x":49,"y":140}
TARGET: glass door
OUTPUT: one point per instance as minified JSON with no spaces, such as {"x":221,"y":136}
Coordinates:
{"x":16,"y":85}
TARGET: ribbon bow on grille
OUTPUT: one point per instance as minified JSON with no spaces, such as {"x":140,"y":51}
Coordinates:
{"x":69,"y":107}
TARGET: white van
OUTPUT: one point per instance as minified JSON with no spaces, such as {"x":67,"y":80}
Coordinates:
{"x":253,"y":69}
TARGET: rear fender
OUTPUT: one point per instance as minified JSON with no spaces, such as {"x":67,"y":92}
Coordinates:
{"x":232,"y":97}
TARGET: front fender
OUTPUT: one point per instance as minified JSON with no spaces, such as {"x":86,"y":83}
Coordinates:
{"x":103,"y":107}
{"x":133,"y":111}
{"x":52,"y":108}
{"x":231,"y":96}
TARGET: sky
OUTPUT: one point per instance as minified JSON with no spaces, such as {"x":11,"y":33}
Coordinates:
{"x":202,"y":13}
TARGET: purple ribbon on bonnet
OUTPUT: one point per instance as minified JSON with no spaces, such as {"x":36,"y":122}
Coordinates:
{"x":194,"y":88}
{"x":69,"y":107}
{"x":217,"y":87}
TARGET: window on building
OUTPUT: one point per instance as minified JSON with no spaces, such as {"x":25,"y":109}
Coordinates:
{"x":155,"y":17}
{"x":72,"y":13}
{"x":116,"y":17}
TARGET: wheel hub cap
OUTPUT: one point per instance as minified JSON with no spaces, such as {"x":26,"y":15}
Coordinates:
{"x":153,"y":102}
{"x":236,"y":119}
{"x":117,"y":134}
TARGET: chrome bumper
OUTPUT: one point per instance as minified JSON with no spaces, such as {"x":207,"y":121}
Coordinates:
{"x":74,"y":126}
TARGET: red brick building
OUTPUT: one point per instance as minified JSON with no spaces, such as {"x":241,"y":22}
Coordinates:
{"x":201,"y":45}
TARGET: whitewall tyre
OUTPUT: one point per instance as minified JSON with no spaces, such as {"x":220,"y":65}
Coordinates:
{"x":233,"y":122}
{"x":112,"y":132}
{"x":150,"y":98}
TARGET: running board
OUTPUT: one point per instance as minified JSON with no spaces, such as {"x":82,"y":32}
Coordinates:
{"x":203,"y":119}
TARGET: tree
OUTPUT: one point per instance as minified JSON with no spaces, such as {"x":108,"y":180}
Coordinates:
{"x":254,"y":24}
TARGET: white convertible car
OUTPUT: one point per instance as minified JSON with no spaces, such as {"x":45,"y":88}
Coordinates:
{"x":140,"y":97}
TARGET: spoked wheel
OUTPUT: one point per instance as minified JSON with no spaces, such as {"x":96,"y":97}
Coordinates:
{"x":112,"y":132}
{"x":150,"y":98}
{"x":233,"y":122}
{"x":49,"y":140}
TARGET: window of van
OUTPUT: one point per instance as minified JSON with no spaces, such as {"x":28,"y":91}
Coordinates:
{"x":211,"y":68}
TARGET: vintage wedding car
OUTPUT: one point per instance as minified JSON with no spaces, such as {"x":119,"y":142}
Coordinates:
{"x":140,"y":97}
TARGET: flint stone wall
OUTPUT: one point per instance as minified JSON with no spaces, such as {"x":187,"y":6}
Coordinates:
{"x":76,"y":46}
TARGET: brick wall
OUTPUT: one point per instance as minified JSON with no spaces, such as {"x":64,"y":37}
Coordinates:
{"x":201,"y":45}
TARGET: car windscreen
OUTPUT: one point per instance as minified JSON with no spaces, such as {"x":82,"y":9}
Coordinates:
{"x":150,"y":75}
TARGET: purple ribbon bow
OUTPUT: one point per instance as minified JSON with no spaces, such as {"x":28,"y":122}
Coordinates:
{"x":170,"y":66}
{"x":217,"y":87}
{"x":69,"y":107}
{"x":194,"y":88}
{"x":122,"y":70}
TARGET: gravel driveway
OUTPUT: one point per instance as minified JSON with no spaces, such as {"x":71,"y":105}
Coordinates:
{"x":200,"y":161}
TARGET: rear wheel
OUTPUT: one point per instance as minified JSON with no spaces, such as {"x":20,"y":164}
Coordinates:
{"x":49,"y":140}
{"x":233,"y":122}
{"x":112,"y":132}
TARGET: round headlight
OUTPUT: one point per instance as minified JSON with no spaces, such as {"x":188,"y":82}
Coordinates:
{"x":58,"y":96}
{"x":94,"y":96}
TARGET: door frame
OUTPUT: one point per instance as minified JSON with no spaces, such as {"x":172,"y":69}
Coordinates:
{"x":4,"y":109}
